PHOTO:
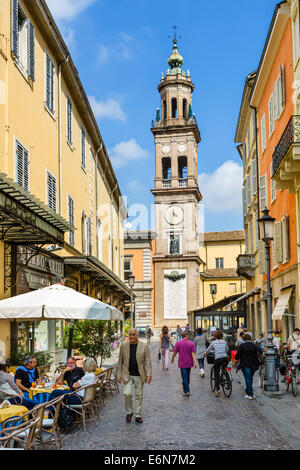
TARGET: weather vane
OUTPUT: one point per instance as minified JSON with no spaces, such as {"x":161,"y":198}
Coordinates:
{"x":175,"y":37}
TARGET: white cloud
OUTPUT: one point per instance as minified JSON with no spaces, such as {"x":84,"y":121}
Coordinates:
{"x":110,"y":108}
{"x":127,"y":152}
{"x":68,"y":9}
{"x":119,"y":48}
{"x":222,"y":189}
{"x":135,"y":185}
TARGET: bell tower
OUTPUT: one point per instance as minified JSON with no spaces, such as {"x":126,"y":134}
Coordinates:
{"x":177,"y":195}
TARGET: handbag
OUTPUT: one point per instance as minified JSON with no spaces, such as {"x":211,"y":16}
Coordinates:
{"x":65,"y":418}
{"x":210,"y":357}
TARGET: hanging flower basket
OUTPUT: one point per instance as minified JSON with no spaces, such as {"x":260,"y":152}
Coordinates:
{"x":175,"y":276}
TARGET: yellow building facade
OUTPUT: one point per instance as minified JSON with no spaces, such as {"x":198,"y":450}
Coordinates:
{"x":52,"y":152}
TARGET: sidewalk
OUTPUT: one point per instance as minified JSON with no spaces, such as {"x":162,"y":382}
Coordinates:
{"x":282,"y":412}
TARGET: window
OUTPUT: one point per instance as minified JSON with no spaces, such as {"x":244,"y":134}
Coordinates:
{"x":263,"y":192}
{"x":83,"y":162}
{"x":182,"y":167}
{"x":285,"y":239}
{"x":23,"y":40}
{"x":165,"y":110}
{"x":254,"y":175}
{"x":51,"y":191}
{"x":271,"y":115}
{"x":69,"y":120}
{"x":184,"y":108}
{"x":50,"y":84}
{"x":273,"y":186}
{"x":219,"y":263}
{"x":166,"y":168}
{"x":232,"y":288}
{"x":174,"y":243}
{"x":213,"y":288}
{"x":174,"y":108}
{"x":263,"y":133}
{"x":71,"y":219}
{"x":127,"y":269}
{"x":22,"y":166}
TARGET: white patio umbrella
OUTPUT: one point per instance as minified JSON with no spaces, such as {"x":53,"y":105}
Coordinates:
{"x":57,"y":302}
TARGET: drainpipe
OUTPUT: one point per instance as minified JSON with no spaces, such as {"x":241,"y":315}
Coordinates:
{"x":59,"y":133}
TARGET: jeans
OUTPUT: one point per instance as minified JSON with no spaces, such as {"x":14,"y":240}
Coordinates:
{"x":23,"y":401}
{"x":185,"y":375}
{"x":222,"y":362}
{"x":248,"y":373}
{"x":201,"y":363}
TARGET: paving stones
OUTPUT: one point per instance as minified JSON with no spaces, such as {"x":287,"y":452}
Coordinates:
{"x":174,"y":422}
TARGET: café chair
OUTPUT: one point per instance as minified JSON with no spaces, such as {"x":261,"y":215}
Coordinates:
{"x":108,"y":381}
{"x":87,"y":405}
{"x":50,"y":428}
{"x":114,"y":386}
{"x":22,"y":435}
{"x":100,"y":390}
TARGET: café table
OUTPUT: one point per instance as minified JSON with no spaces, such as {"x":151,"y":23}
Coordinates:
{"x":42,"y":394}
{"x":98,"y":371}
{"x":11,"y":412}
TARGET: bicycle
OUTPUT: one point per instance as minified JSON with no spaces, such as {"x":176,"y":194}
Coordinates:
{"x":290,"y":376}
{"x":225,"y":380}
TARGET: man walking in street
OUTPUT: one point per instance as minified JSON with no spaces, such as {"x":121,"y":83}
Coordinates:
{"x":134,"y":369}
{"x":187,"y":358}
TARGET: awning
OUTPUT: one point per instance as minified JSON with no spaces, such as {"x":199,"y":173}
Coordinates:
{"x":24,"y":219}
{"x":244,"y":296}
{"x":282,"y":304}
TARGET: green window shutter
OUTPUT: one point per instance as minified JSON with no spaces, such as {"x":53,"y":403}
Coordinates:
{"x":14,"y":27}
{"x":31,"y":51}
{"x":285,"y":239}
{"x":262,"y":257}
{"x":278,"y":243}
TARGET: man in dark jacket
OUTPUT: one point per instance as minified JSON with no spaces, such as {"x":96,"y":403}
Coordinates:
{"x":247,"y":355}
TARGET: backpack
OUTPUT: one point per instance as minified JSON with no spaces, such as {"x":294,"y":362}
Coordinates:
{"x":65,"y":418}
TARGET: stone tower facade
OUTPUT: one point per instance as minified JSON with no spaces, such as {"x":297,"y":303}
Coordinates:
{"x":177,"y":196}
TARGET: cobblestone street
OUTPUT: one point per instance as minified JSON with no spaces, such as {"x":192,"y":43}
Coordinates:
{"x":175,"y":422}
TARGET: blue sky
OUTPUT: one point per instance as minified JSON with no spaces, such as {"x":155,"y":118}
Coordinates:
{"x":120,"y":49}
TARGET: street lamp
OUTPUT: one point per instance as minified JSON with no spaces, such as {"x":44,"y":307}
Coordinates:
{"x":131,"y":280}
{"x":266,"y":230}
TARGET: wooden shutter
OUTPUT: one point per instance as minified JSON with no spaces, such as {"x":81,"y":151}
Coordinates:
{"x":69,"y":120}
{"x":282,"y":86}
{"x":14,"y":27}
{"x":262,"y":257}
{"x":71,"y":219}
{"x":248,"y":186}
{"x":89,"y":232}
{"x":278,"y":243}
{"x":51,"y":191}
{"x":31,"y":51}
{"x":285,"y":239}
{"x":244,"y":201}
{"x":22,"y":166}
{"x":83,"y":230}
{"x":251,"y":238}
{"x":83,"y":148}
{"x":49,"y":84}
{"x":254,"y":176}
{"x":263,"y":192}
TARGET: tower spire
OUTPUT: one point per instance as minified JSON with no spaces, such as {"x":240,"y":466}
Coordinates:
{"x":175,"y":60}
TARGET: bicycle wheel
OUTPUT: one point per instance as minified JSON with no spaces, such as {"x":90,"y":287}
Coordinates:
{"x":226,"y":383}
{"x":294,"y":382}
{"x":212,"y":379}
{"x":261,"y":376}
{"x":287,"y":379}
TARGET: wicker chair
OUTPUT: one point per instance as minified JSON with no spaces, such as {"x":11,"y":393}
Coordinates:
{"x":23,"y":435}
{"x":87,"y":405}
{"x":114,"y":386}
{"x":100,"y":390}
{"x":50,"y":429}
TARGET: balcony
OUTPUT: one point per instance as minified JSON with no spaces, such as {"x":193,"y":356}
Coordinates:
{"x":286,"y":157}
{"x":178,"y":121}
{"x":246,"y":266}
{"x":183,"y":182}
{"x":166,"y":183}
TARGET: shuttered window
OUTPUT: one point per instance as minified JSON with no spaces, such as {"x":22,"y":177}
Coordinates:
{"x":71,"y":219}
{"x":262,"y":257}
{"x":271,"y":115}
{"x":69,"y":120}
{"x":50,"y":84}
{"x":244,"y":155}
{"x":263,"y":133}
{"x":22,"y":39}
{"x":22,"y":166}
{"x":278,"y":243}
{"x":285,"y":239}
{"x":51,"y":191}
{"x":83,"y":161}
{"x":263,"y":192}
{"x":254,"y":176}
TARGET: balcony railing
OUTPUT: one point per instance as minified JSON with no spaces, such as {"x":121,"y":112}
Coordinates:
{"x":246,"y":266}
{"x":183,"y":183}
{"x":290,"y":136}
{"x":181,"y":121}
{"x":166,"y":183}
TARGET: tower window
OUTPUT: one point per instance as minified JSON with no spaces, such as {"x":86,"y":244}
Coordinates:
{"x":166,"y":168}
{"x":182,"y":167}
{"x":184,"y":108}
{"x":174,"y":108}
{"x":165,"y":110}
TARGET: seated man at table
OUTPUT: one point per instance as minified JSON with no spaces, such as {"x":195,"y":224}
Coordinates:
{"x":89,"y":366}
{"x":71,"y":373}
{"x":24,"y":376}
{"x":10,"y":391}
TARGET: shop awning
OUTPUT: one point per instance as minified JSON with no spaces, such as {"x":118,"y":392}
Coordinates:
{"x":244,"y":296}
{"x":24,"y":219}
{"x":282,"y":304}
{"x":99,"y":273}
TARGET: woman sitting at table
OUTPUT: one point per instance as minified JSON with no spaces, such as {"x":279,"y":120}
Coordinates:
{"x":89,"y":366}
{"x":25,"y":375}
{"x":10,"y":391}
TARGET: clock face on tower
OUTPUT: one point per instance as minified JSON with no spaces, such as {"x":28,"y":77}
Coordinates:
{"x":166,"y":149}
{"x":174,"y":215}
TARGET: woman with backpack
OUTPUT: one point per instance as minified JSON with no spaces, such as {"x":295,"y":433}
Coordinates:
{"x":164,"y":346}
{"x":200,"y":345}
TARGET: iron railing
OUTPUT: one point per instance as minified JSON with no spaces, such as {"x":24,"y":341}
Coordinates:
{"x":246,"y":265}
{"x":290,"y":136}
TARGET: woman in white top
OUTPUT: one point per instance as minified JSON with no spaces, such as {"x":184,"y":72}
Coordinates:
{"x":89,"y":366}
